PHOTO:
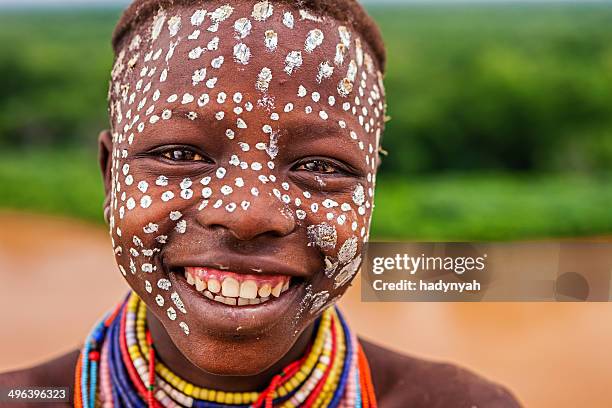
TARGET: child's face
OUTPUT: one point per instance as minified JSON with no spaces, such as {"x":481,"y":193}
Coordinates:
{"x":245,"y":144}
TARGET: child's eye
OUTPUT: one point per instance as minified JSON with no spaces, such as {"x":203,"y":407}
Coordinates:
{"x":318,"y":166}
{"x":182,"y":155}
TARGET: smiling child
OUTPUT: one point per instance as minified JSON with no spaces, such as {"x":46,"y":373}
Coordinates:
{"x":240,"y":170}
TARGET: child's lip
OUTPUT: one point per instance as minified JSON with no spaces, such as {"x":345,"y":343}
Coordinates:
{"x":263,"y":266}
{"x":219,"y":318}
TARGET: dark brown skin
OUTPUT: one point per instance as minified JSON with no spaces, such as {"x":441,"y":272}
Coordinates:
{"x":314,"y":156}
{"x":400,"y":381}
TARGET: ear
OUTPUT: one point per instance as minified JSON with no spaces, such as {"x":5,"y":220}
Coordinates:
{"x":105,"y":148}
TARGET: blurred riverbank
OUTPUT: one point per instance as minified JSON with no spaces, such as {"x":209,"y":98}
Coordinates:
{"x":550,"y":355}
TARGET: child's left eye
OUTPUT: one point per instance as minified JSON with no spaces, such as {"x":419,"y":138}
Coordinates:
{"x":318,"y":166}
{"x":182,"y":155}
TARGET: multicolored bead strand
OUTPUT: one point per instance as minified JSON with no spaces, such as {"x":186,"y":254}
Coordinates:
{"x":118,"y":367}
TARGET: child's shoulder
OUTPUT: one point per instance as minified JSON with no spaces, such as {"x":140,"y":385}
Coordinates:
{"x":58,"y":372}
{"x":401,"y":381}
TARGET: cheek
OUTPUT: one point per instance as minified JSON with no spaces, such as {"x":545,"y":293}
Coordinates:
{"x":339,"y":229}
{"x":145,"y":213}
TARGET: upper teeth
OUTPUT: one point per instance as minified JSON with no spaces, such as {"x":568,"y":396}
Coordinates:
{"x":232,"y":290}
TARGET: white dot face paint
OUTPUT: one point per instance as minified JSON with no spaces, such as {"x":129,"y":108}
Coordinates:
{"x":250,"y":92}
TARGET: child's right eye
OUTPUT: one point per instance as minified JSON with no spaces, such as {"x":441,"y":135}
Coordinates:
{"x":182,"y":155}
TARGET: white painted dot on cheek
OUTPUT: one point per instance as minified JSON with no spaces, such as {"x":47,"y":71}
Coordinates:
{"x":181,"y":227}
{"x":186,"y":194}
{"x":162,"y":181}
{"x":146,"y":201}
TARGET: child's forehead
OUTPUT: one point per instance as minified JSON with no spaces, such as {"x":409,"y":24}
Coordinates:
{"x":252,"y":55}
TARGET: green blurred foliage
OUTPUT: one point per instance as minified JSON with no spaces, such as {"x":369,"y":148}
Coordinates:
{"x":507,"y":87}
{"x":55,"y":68}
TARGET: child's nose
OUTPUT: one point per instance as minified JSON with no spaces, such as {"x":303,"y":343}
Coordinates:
{"x":265,"y":215}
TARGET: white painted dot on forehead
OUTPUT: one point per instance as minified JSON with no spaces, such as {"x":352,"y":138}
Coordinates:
{"x":271,"y":40}
{"x":217,"y":62}
{"x":262,"y":11}
{"x":243,"y":27}
{"x":288,"y":20}
{"x":263,"y":79}
{"x":313,"y":40}
{"x":198,"y":76}
{"x":198,"y":17}
{"x":158,"y":24}
{"x":222,"y":13}
{"x":196,"y":53}
{"x":293,"y":61}
{"x":242,"y":53}
{"x":213,"y":44}
{"x":174,"y":25}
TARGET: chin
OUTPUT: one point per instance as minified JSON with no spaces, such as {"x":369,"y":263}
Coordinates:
{"x":234,"y":355}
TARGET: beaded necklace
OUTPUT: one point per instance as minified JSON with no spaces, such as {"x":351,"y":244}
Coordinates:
{"x":118,"y":368}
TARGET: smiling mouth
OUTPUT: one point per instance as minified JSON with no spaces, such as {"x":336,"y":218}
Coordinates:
{"x":236,"y":289}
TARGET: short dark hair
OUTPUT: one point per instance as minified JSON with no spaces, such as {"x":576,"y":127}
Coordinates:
{"x":348,"y":12}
